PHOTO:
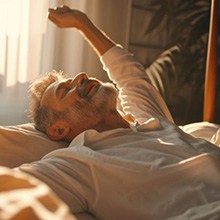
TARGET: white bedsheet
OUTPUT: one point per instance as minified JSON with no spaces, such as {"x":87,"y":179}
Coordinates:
{"x":26,"y":134}
{"x":23,"y":197}
{"x":140,"y":173}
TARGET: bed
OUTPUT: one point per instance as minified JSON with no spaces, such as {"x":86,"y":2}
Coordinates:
{"x":24,"y":197}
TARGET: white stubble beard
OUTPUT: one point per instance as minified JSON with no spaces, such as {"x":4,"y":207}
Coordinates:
{"x":103,"y":101}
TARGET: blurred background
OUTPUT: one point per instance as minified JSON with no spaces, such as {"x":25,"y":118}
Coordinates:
{"x":31,"y":45}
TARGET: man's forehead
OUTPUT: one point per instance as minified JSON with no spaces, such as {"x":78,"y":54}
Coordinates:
{"x":56,"y":83}
{"x":48,"y":93}
{"x":49,"y":90}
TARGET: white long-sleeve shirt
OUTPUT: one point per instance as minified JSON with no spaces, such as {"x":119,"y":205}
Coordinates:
{"x":152,"y":170}
{"x":137,"y":95}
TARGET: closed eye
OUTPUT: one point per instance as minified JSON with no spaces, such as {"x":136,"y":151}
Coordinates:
{"x":62,"y":91}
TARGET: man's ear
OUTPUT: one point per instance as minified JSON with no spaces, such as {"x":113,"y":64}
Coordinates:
{"x":59,"y":130}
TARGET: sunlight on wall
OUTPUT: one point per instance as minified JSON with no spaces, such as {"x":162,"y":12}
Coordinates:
{"x":23,"y":26}
{"x":31,"y":45}
{"x":23,"y":29}
{"x":14,"y":25}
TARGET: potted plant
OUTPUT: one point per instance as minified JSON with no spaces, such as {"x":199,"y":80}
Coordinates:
{"x":187,"y":27}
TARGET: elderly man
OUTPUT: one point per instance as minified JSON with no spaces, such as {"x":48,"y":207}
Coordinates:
{"x":132,"y":165}
{"x":63,"y":108}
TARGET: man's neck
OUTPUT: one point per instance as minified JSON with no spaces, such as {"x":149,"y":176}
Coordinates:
{"x":112,"y":121}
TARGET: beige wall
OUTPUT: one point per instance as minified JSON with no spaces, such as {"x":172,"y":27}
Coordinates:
{"x":113,"y":17}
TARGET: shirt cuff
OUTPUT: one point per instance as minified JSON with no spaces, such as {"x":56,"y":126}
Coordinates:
{"x":108,"y":57}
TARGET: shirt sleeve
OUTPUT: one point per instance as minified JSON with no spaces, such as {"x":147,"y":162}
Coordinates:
{"x":137,"y":95}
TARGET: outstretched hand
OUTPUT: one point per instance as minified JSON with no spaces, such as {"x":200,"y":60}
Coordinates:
{"x":64,"y":17}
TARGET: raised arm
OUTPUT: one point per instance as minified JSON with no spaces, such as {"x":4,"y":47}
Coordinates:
{"x":64,"y":17}
{"x":137,"y":94}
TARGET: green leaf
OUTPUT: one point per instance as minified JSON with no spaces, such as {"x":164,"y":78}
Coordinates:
{"x":162,"y":72}
{"x":200,"y":28}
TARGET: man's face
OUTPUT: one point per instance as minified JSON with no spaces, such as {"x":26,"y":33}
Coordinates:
{"x":85,"y":99}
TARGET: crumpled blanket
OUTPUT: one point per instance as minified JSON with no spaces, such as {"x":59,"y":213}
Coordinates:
{"x":24,"y":197}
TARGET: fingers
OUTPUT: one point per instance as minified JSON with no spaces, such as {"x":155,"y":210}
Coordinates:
{"x":60,"y":10}
{"x":65,"y":17}
{"x":62,"y":16}
{"x":54,"y":13}
{"x":51,"y":18}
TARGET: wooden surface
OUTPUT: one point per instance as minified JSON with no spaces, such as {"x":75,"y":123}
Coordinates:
{"x":211,"y":66}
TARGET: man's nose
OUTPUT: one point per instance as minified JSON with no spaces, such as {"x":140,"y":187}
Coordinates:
{"x":80,"y":78}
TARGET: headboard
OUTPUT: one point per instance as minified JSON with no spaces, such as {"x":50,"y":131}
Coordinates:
{"x":211,"y":66}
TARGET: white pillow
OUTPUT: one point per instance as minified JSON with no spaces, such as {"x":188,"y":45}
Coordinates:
{"x":205,"y":130}
{"x":23,"y":144}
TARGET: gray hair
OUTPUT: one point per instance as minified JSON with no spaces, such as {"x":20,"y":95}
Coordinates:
{"x":42,"y":116}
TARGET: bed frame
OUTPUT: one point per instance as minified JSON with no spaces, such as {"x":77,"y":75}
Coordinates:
{"x":211,"y":66}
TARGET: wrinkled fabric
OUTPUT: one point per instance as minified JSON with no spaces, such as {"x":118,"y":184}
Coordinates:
{"x":152,"y":170}
{"x":22,"y":197}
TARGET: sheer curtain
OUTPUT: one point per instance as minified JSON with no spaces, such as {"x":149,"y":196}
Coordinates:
{"x":22,"y":30}
{"x":27,"y":48}
{"x":31,"y":45}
